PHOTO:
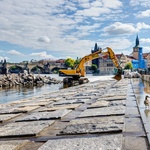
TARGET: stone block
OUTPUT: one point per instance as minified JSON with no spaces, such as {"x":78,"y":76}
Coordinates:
{"x":94,"y":125}
{"x":21,"y":109}
{"x":102,"y":142}
{"x":12,"y":145}
{"x":112,"y":97}
{"x":52,"y":108}
{"x":6,"y":117}
{"x":104,"y":111}
{"x":99,"y":104}
{"x":24,"y":128}
{"x":45,"y":115}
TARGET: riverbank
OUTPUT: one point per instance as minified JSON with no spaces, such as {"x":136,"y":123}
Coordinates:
{"x":26,"y":80}
{"x":22,"y":92}
{"x":98,"y":115}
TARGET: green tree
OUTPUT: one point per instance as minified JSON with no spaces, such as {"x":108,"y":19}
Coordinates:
{"x":77,"y":61}
{"x":69,"y":62}
{"x":128,"y":66}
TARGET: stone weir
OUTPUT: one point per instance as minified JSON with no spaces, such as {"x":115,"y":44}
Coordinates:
{"x":99,"y":115}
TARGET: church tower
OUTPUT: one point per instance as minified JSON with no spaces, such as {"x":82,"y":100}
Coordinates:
{"x":95,"y":61}
{"x":136,"y":48}
{"x":137,"y":53}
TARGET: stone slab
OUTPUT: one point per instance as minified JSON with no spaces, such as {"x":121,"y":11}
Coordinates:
{"x":71,"y":101}
{"x":132,"y":111}
{"x":12,"y":145}
{"x":117,"y":92}
{"x":20,"y":102}
{"x":99,"y":104}
{"x":134,"y":125}
{"x":36,"y":103}
{"x":112,"y":98}
{"x":70,"y":106}
{"x":135,"y":143}
{"x":52,"y":99}
{"x":45,"y":115}
{"x":107,"y":142}
{"x":82,"y":97}
{"x":97,"y":120}
{"x":24,"y":128}
{"x":104,"y":111}
{"x":21,"y":109}
{"x":118,"y":103}
{"x":94,"y":125}
{"x":6,"y":117}
{"x":91,"y":128}
{"x":131,"y":103}
{"x":4,"y":106}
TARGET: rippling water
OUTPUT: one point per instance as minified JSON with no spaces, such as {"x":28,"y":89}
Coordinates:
{"x":19,"y":92}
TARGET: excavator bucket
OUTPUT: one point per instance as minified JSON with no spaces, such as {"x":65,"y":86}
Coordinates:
{"x":118,"y":75}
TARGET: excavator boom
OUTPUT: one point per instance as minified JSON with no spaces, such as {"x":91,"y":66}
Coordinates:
{"x":80,"y":69}
{"x":114,"y":59}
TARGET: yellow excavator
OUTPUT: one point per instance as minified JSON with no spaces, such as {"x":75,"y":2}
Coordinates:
{"x":76,"y":74}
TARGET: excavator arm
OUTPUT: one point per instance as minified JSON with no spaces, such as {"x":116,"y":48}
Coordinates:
{"x":79,"y":71}
{"x":114,"y":59}
{"x":80,"y":68}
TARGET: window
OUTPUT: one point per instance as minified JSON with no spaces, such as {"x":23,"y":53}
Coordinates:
{"x":110,"y":65}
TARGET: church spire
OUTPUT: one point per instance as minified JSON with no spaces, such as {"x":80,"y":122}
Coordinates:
{"x":95,"y":48}
{"x":137,"y":41}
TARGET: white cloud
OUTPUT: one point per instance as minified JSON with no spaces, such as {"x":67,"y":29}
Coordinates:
{"x":69,"y":28}
{"x":144,"y":3}
{"x":42,"y":55}
{"x":14,"y":52}
{"x":93,"y":12}
{"x":117,"y":44}
{"x":143,"y":14}
{"x":115,"y":4}
{"x":44,"y":39}
{"x":142,"y":25}
{"x":51,"y":18}
{"x":145,"y":40}
{"x":84,"y":3}
{"x":146,"y":49}
{"x":119,"y":28}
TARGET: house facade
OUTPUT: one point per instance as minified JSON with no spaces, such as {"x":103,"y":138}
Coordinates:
{"x":147,"y":57}
{"x":106,"y":65}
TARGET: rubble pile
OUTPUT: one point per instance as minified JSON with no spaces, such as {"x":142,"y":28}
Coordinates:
{"x":25,"y":79}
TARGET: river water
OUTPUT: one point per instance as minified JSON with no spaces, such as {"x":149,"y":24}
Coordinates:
{"x":141,"y":90}
{"x":18,"y":93}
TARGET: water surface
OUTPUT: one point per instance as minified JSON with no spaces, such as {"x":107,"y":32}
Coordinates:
{"x":19,"y":92}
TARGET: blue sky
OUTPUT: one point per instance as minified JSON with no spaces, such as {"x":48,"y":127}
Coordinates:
{"x":54,"y":29}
